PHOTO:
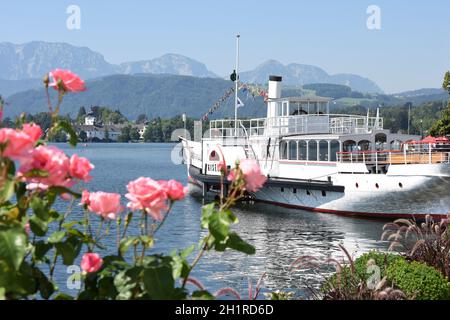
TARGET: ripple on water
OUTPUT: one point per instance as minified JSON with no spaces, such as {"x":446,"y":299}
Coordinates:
{"x":279,"y":235}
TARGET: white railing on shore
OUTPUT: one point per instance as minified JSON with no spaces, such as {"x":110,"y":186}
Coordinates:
{"x":291,"y":125}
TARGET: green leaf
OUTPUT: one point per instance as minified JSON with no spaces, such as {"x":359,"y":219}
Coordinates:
{"x":147,"y":241}
{"x":187,"y":252}
{"x":2,"y":294}
{"x":40,"y":250}
{"x":40,"y":209}
{"x":67,"y":127}
{"x":125,"y":244}
{"x":126,"y":281}
{"x":235,"y":242}
{"x":63,"y":296}
{"x":7,"y":191}
{"x":63,"y":190}
{"x":69,"y":250}
{"x":36,"y":173}
{"x":202,"y":295}
{"x":159,"y":282}
{"x":56,"y":237}
{"x":207,"y":211}
{"x":38,"y":226}
{"x":219,"y":225}
{"x":13,"y":243}
{"x":45,"y":287}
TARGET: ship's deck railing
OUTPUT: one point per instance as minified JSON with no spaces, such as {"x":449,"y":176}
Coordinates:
{"x":419,"y":154}
{"x":291,"y":125}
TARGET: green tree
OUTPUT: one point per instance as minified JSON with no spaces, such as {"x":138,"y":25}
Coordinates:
{"x":125,"y":134}
{"x":107,"y":134}
{"x":142,"y":118}
{"x":134,"y":134}
{"x":442,"y":126}
{"x":154,"y":131}
{"x":81,"y":114}
{"x":82,"y":136}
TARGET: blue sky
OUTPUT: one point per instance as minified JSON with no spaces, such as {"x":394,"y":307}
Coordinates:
{"x":411,"y":51}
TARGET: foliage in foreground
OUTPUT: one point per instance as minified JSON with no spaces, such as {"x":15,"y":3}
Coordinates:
{"x":36,"y":239}
{"x":418,"y":281}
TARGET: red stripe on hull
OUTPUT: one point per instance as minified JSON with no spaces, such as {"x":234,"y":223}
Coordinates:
{"x":418,"y":216}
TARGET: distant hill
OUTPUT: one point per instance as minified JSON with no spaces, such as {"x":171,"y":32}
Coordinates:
{"x":301,"y":74}
{"x":155,"y":95}
{"x":168,"y":64}
{"x":34,"y":59}
{"x":10,"y":87}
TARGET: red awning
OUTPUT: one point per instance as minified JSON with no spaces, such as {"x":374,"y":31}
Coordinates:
{"x":431,"y":139}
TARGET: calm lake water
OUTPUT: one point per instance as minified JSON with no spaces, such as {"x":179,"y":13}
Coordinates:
{"x":279,"y":235}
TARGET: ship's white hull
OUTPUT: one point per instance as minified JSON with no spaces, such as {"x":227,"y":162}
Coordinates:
{"x":366,"y":196}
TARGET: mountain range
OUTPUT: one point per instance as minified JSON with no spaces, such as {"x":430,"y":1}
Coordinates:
{"x":300,"y":74}
{"x":33,"y":59}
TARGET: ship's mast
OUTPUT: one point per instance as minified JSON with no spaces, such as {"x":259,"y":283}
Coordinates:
{"x":236,"y":85}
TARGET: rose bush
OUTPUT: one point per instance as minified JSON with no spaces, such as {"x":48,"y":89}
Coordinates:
{"x":36,"y":239}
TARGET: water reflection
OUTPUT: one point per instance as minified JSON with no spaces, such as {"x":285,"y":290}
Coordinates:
{"x":279,"y":235}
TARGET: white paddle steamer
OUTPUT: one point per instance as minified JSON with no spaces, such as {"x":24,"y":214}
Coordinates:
{"x":330,"y":163}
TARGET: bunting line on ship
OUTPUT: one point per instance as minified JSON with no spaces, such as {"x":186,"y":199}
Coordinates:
{"x":249,"y":89}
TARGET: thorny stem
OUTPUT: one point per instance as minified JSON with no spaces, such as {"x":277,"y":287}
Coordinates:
{"x":49,"y":103}
{"x":164,"y":219}
{"x":55,"y":254}
{"x":197,"y":259}
{"x":60,"y":99}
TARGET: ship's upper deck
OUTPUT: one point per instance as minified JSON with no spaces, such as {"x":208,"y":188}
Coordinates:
{"x":296,"y":116}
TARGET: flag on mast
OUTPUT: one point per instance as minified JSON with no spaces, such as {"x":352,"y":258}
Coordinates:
{"x":239,"y":103}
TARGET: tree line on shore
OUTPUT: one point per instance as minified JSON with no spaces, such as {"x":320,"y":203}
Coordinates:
{"x":430,"y":118}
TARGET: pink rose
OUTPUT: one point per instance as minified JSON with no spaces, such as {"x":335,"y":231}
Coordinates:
{"x":254,"y":179}
{"x":70,"y":81}
{"x":51,"y":160}
{"x":175,"y":190}
{"x":91,"y":262}
{"x":19,"y":143}
{"x":147,"y":194}
{"x":85,"y":197}
{"x":33,"y":131}
{"x":104,"y":204}
{"x":80,"y":168}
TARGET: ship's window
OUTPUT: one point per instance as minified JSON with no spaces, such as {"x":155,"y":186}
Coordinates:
{"x":294,"y":191}
{"x":312,"y":150}
{"x":357,"y":185}
{"x":349,"y":146}
{"x":334,"y":149}
{"x":396,"y":145}
{"x":364,"y":145}
{"x":380,"y":141}
{"x":323,"y":150}
{"x":400,"y":185}
{"x":285,"y":111}
{"x":324,"y":193}
{"x":292,"y":150}
{"x":302,"y":150}
{"x":282,"y":189}
{"x":283,"y":150}
{"x":308,"y":192}
{"x":377,"y":186}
